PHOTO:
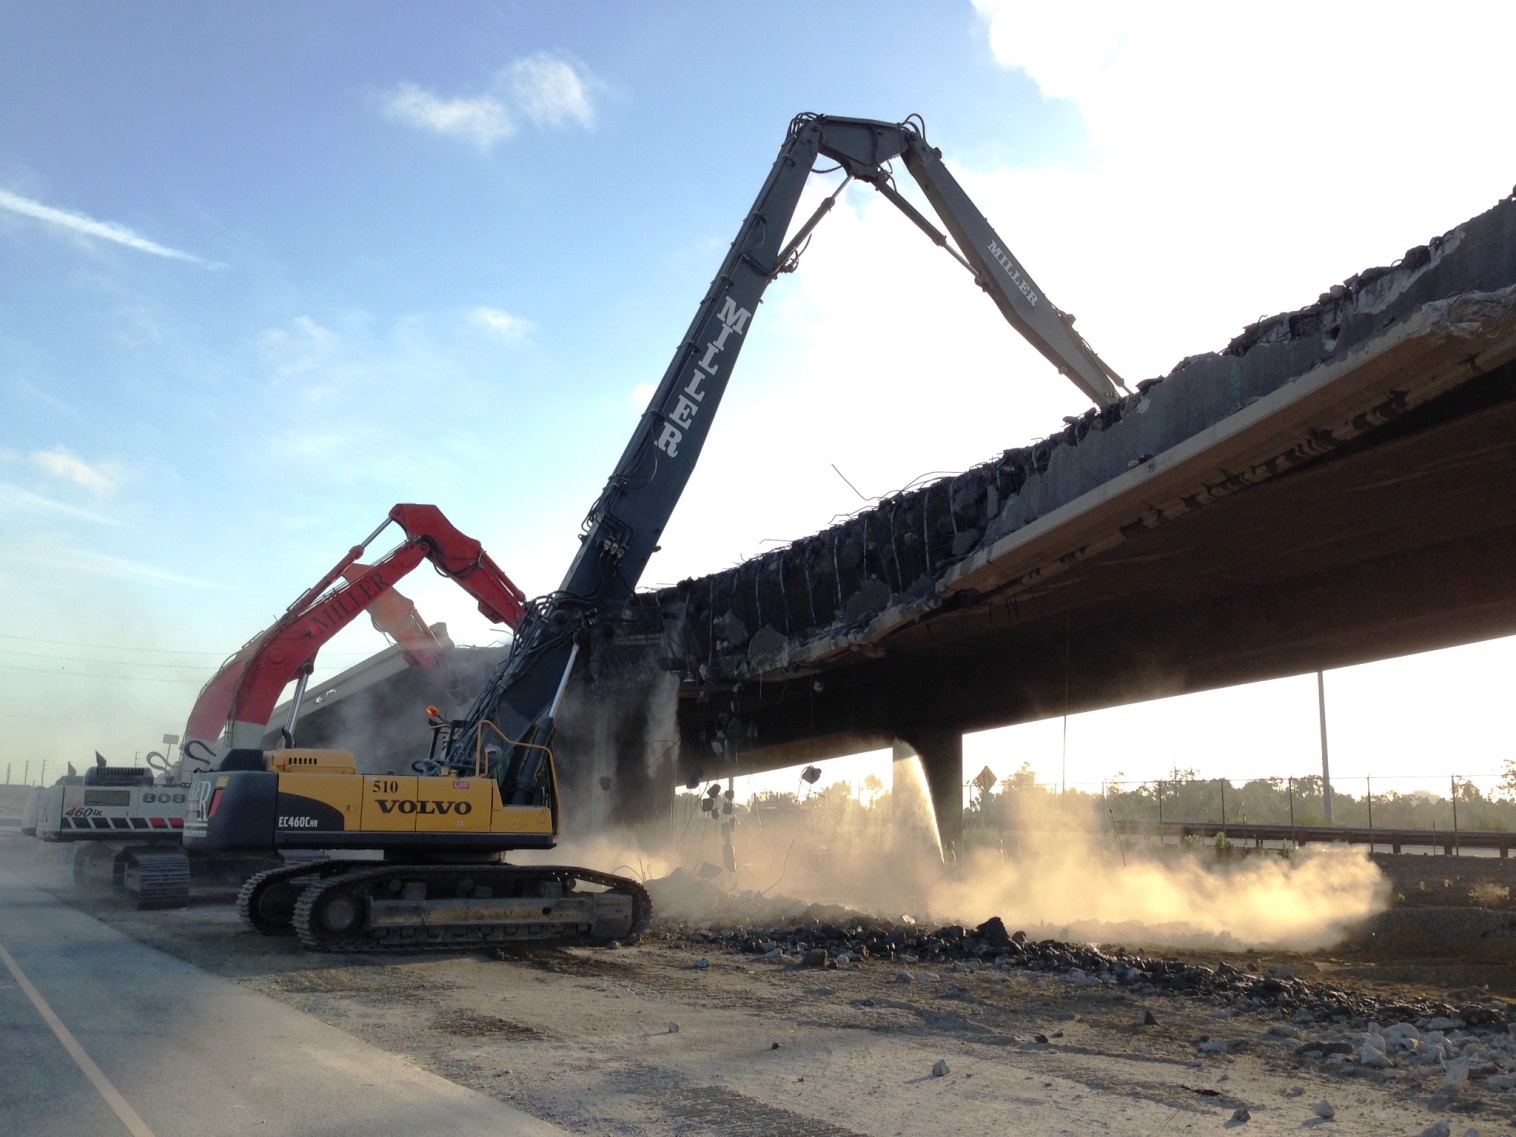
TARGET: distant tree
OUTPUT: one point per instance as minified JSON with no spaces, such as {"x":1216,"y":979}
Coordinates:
{"x":1507,"y":788}
{"x":1022,"y":779}
{"x":836,"y":792}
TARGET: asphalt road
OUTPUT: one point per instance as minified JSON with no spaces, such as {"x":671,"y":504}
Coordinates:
{"x":101,"y":1035}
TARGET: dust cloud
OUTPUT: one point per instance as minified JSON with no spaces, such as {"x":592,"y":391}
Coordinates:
{"x":1055,"y":872}
{"x":1079,"y":883}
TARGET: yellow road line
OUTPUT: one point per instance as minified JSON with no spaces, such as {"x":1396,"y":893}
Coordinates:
{"x":134,"y":1124}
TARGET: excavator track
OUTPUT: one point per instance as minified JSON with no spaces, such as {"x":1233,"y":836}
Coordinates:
{"x":154,"y":877}
{"x":266,"y":902}
{"x":383,"y":908}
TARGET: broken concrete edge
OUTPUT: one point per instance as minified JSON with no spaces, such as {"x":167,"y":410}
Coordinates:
{"x":1442,"y":332}
{"x":1189,"y":471}
{"x":1149,"y":440}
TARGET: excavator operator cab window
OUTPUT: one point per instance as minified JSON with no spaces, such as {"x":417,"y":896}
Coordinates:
{"x":523,"y":777}
{"x":505,"y":771}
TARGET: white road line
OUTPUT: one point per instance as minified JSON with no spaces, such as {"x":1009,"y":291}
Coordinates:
{"x":134,"y":1124}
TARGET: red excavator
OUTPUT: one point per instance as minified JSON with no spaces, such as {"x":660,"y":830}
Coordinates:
{"x":132,"y":821}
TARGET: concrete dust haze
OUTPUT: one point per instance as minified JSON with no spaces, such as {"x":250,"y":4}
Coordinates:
{"x":1074,"y":881}
{"x":1058,"y":873}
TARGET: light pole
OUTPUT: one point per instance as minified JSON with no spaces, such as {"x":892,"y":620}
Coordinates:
{"x":1369,"y":781}
{"x":1326,"y":770}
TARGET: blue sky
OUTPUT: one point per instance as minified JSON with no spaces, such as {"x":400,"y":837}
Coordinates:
{"x":266,"y":269}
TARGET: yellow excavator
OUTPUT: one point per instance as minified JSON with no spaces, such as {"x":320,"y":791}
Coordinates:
{"x":438,"y":880}
{"x":436,"y":834}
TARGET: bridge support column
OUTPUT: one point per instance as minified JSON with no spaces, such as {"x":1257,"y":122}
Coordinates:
{"x":941,"y":752}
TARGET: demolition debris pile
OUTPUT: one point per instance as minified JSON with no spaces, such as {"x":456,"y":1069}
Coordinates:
{"x":851,"y":939}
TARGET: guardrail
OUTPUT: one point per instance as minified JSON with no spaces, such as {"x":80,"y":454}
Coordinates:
{"x":1450,"y":841}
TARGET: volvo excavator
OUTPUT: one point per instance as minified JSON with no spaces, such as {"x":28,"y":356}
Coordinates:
{"x":438,"y":835}
{"x":128,"y":823}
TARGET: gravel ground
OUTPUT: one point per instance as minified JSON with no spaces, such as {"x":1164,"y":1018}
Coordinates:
{"x":789,"y":1030}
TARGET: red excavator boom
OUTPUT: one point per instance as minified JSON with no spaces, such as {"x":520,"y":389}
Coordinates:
{"x":240,"y":698}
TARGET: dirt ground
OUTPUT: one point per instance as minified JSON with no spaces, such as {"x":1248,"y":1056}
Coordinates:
{"x":658,"y":1038}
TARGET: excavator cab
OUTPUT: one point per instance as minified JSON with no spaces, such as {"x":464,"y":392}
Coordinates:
{"x":524,"y":771}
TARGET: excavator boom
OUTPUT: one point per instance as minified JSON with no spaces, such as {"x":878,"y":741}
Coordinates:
{"x":239,"y":699}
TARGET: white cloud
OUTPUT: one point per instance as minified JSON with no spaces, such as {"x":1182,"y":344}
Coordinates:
{"x":65,"y":561}
{"x":511,"y":329}
{"x":545,"y":89}
{"x":1236,"y":83}
{"x":300,"y":348}
{"x":550,"y":91}
{"x":46,"y":398}
{"x":122,"y":568}
{"x":1241,"y":158}
{"x":482,"y":120}
{"x":642,"y":394}
{"x":1041,"y":40}
{"x":15,"y":500}
{"x":59,"y":463}
{"x":89,"y":227}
